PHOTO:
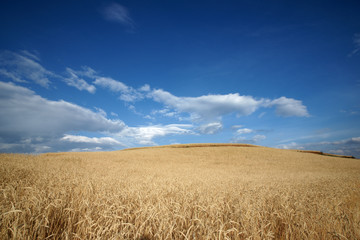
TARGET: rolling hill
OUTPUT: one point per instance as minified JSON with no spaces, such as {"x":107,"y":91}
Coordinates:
{"x":191,"y":191}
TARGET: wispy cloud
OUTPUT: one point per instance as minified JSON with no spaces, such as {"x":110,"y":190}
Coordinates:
{"x":78,"y":143}
{"x":111,"y":84}
{"x":251,"y":140}
{"x":93,"y":140}
{"x":24,"y":67}
{"x":33,"y":55}
{"x":12,"y":76}
{"x":244,"y":131}
{"x":210,"y":128}
{"x":356,"y":41}
{"x":118,"y":13}
{"x":127,"y":94}
{"x":75,"y":81}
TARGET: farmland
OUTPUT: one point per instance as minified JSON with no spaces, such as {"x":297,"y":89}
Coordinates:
{"x":180,"y":192}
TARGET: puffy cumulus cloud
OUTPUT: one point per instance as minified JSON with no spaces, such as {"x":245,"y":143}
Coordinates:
{"x":208,"y":106}
{"x":75,"y":81}
{"x":349,"y":146}
{"x":210,"y":128}
{"x":287,"y":107}
{"x":144,"y":135}
{"x":26,"y":115}
{"x":215,"y":106}
{"x":251,"y":136}
{"x":145,"y":88}
{"x":117,"y":13}
{"x":24,"y":67}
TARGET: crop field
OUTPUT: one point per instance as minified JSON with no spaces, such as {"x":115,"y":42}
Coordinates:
{"x":180,"y":192}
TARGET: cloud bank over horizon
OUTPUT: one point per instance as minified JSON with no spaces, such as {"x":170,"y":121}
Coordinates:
{"x":50,"y":123}
{"x":56,"y":119}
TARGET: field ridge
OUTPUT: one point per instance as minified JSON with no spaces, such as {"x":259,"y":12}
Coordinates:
{"x":199,"y":145}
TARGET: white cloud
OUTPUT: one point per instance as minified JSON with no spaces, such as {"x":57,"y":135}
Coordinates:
{"x":34,"y":56}
{"x":101,"y":111}
{"x":95,"y":149}
{"x":114,"y":114}
{"x":208,"y":106}
{"x":258,"y":138}
{"x":354,"y":140}
{"x":210,"y":128}
{"x":117,"y":13}
{"x":111,"y":84}
{"x":145,"y":88}
{"x":94,"y":140}
{"x":25,"y":115}
{"x":127,"y":94}
{"x":130,"y":96}
{"x":287,"y":107}
{"x":292,"y":145}
{"x":164,"y":112}
{"x":86,"y":72}
{"x":244,"y":131}
{"x":24,"y":66}
{"x":145,"y":135}
{"x":261,"y":114}
{"x":79,"y":83}
{"x":252,"y":140}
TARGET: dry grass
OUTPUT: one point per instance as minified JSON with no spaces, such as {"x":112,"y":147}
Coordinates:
{"x":180,"y":193}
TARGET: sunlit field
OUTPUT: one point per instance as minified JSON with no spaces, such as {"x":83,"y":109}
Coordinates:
{"x":180,"y":192}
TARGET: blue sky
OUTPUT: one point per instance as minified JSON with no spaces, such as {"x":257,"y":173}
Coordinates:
{"x":106,"y":75}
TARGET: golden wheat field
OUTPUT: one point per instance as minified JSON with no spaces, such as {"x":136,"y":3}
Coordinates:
{"x":180,"y":192}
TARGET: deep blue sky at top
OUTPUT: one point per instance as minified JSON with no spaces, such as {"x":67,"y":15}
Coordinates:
{"x":203,"y":40}
{"x":304,"y":50}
